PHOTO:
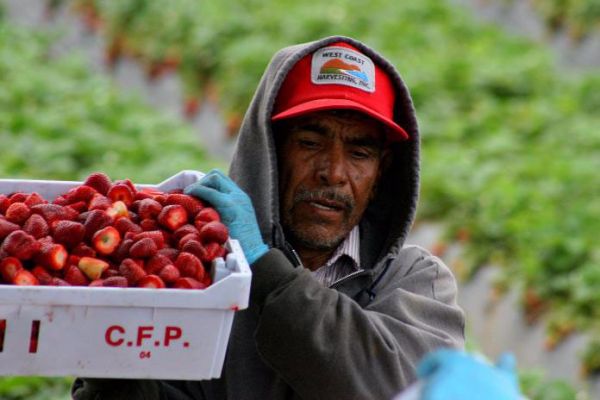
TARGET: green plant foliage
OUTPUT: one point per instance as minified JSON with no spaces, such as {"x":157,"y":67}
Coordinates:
{"x":578,"y":17}
{"x":34,"y":388}
{"x":60,"y":121}
{"x":537,"y":387}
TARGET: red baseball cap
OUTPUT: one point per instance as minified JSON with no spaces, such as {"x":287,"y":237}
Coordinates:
{"x":338,"y":76}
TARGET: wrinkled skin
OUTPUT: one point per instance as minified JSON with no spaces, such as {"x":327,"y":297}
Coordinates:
{"x":329,"y":167}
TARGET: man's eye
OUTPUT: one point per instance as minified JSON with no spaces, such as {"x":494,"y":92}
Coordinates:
{"x":309,"y":144}
{"x":360,"y":154}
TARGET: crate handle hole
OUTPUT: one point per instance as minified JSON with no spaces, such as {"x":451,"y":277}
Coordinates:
{"x":35,"y":333}
{"x":2,"y":333}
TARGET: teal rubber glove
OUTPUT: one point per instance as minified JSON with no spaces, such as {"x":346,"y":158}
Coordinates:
{"x":235,"y":208}
{"x":455,"y":375}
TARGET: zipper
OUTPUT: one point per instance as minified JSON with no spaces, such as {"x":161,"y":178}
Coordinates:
{"x":360,"y":272}
{"x":348,"y":277}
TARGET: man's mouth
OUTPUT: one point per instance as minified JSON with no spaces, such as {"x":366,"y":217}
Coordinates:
{"x":327,"y":205}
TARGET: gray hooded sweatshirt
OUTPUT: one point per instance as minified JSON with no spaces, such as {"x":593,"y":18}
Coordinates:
{"x":362,"y":337}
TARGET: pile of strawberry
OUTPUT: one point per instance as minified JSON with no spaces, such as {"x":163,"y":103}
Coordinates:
{"x":105,"y":233}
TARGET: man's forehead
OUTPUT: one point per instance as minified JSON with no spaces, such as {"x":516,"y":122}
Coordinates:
{"x":347,"y":122}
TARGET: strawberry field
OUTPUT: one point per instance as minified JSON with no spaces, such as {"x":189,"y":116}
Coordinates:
{"x":511,"y":146}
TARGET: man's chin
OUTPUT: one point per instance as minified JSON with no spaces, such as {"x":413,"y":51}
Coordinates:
{"x":315,"y":238}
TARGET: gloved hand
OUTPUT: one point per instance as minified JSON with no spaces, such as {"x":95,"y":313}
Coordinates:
{"x":453,"y":375}
{"x":235,"y":208}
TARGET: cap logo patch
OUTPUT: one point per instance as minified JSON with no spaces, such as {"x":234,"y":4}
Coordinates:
{"x":342,"y":66}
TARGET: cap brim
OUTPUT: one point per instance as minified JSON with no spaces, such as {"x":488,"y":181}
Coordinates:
{"x":332,"y":104}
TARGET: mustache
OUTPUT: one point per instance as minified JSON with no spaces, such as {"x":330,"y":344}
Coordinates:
{"x":325,"y":193}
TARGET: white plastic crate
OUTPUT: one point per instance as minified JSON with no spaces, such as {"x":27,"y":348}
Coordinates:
{"x":121,"y":332}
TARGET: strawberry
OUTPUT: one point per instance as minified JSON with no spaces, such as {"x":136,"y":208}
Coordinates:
{"x":132,"y":271}
{"x":42,"y":275}
{"x":52,"y":256}
{"x":46,"y":240}
{"x":148,"y":224}
{"x":99,"y":202}
{"x":96,"y":220}
{"x":125,"y":225}
{"x":4,"y":203}
{"x":69,"y":233}
{"x":190,"y":236}
{"x":117,"y":210}
{"x":115,"y":281}
{"x":106,"y":240}
{"x":7,"y":227}
{"x":82,"y":217}
{"x":169,"y":252}
{"x":182,"y":231}
{"x":18,"y":197}
{"x":122,"y":251}
{"x":196,"y":248}
{"x":34,"y":199}
{"x":36,"y":226}
{"x":207,"y":281}
{"x":60,"y":200}
{"x":143,"y":194}
{"x":18,"y":213}
{"x":213,"y":250}
{"x":56,"y":281}
{"x":214,"y":231}
{"x":99,"y":181}
{"x":134,"y":217}
{"x":157,"y":236}
{"x":128,"y":183}
{"x":53,"y":212}
{"x":188,"y":283}
{"x":80,"y":193}
{"x":79,"y":206}
{"x":9,"y":267}
{"x":121,"y":192}
{"x":169,"y":273}
{"x":205,"y":216}
{"x":83,"y":250}
{"x":74,"y":259}
{"x":157,"y":263}
{"x":96,"y":283}
{"x":147,"y":193}
{"x":75,"y":276}
{"x":173,"y":217}
{"x":149,"y":208}
{"x":110,"y":272}
{"x":21,"y":245}
{"x":161,"y":198}
{"x":92,"y":267}
{"x":25,"y":278}
{"x":145,"y":247}
{"x":189,"y":265}
{"x":191,"y":204}
{"x":151,"y":282}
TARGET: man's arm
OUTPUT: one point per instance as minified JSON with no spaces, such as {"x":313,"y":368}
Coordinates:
{"x":326,"y":346}
{"x":322,"y":342}
{"x":130,"y":389}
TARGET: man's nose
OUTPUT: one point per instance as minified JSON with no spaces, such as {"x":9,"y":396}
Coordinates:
{"x":331,"y":169}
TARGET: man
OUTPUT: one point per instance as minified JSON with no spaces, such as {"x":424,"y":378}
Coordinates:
{"x":326,"y":186}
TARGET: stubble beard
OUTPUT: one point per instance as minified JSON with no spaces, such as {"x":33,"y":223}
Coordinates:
{"x":308,"y":232}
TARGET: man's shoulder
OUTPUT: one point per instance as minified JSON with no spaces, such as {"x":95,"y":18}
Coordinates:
{"x":411,"y":259}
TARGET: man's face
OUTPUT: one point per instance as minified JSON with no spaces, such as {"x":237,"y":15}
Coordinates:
{"x":329,"y":166}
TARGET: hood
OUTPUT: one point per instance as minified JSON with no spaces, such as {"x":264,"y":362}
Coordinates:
{"x":390,"y":214}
